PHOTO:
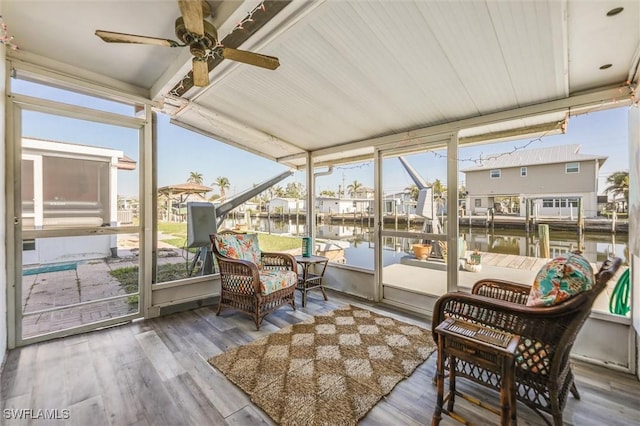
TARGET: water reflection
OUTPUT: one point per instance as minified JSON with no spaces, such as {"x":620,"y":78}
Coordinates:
{"x":359,"y":250}
{"x":595,"y":247}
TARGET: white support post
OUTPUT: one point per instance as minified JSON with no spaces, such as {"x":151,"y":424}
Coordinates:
{"x":311,"y":203}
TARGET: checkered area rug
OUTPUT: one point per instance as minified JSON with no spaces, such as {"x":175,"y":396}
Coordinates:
{"x":330,"y":370}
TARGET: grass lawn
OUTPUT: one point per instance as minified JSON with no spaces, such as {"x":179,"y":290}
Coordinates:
{"x":128,"y":277}
{"x":172,"y":228}
{"x":268,"y":242}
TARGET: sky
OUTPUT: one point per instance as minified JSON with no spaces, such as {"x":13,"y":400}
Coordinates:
{"x":181,"y":151}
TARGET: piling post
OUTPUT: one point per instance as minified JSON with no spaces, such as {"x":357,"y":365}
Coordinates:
{"x":395,"y":213}
{"x":493,"y":217}
{"x":268,"y":220}
{"x":543,"y":234}
{"x":614,"y":217}
{"x":527,"y":222}
{"x":580,"y":217}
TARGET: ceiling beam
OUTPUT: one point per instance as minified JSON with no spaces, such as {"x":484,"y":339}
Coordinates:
{"x":580,"y":103}
{"x":226,"y":129}
{"x":261,"y":16}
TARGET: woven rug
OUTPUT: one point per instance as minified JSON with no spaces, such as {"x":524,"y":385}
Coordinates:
{"x":329,"y":370}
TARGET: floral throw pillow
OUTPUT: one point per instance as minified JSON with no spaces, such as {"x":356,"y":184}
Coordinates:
{"x":561,"y":278}
{"x":240,"y":246}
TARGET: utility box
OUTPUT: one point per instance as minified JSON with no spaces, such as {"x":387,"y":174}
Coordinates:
{"x":201,"y":221}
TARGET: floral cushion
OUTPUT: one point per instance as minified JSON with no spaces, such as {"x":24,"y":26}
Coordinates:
{"x":240,"y":246}
{"x":272,"y":281}
{"x":561,"y":278}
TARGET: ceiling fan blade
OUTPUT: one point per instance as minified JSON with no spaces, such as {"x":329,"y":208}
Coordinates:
{"x":192,"y":14}
{"x":111,"y":37}
{"x":257,"y":59}
{"x":200,"y":72}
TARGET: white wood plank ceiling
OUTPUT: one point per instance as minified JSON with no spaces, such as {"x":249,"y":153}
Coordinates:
{"x":355,"y":73}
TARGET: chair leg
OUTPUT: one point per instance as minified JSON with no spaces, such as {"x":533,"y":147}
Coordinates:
{"x":556,"y":410}
{"x":574,"y":391}
{"x":256,"y":318}
{"x":219,"y":307}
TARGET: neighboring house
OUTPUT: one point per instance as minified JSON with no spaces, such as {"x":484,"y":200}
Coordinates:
{"x":286,"y":206}
{"x":363,"y":192}
{"x":127,"y":210}
{"x":69,"y":185}
{"x":248,"y":206}
{"x":335,"y":205}
{"x":554,"y":178}
{"x":399,"y":203}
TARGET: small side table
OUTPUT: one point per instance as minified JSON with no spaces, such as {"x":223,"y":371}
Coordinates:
{"x":307,"y":280}
{"x":490,"y":349}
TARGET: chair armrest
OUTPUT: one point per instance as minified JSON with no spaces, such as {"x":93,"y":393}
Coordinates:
{"x":278,"y":260}
{"x":502,"y":290}
{"x":535,"y":322}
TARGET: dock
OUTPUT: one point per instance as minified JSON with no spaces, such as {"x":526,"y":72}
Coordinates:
{"x":594,"y":224}
{"x":428,"y":282}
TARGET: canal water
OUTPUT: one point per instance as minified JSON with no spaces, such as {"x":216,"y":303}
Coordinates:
{"x":358,"y":245}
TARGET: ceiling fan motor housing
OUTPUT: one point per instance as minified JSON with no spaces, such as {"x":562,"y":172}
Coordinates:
{"x":198,"y":45}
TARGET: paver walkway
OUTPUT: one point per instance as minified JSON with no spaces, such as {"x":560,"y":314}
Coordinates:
{"x":90,"y":281}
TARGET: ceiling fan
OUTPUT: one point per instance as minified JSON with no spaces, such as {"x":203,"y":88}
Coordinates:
{"x":201,"y":37}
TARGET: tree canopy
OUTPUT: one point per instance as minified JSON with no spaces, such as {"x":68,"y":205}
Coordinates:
{"x":222,"y":183}
{"x":195,"y":177}
{"x":353,"y":187}
{"x":414,"y":191}
{"x":618,"y":184}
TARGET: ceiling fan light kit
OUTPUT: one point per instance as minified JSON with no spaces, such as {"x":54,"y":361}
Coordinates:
{"x":202,"y":38}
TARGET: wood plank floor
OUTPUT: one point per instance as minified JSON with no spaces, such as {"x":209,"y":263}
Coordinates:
{"x":156,"y":373}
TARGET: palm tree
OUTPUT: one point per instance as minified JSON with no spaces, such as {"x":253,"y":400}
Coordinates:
{"x":353,"y":187}
{"x":618,"y":184}
{"x":223,"y":183}
{"x":438,"y":188}
{"x":414,"y":191}
{"x":195,"y":177}
{"x":278,"y":191}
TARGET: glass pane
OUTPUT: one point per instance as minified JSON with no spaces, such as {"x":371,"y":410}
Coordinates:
{"x":404,"y":208}
{"x":345,"y":208}
{"x":201,"y":170}
{"x":415,"y":191}
{"x":77,"y":173}
{"x":43,"y":91}
{"x":551,"y":197}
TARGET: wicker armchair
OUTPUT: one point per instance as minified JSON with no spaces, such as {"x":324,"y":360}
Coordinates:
{"x":543,"y":372}
{"x":252,"y":281}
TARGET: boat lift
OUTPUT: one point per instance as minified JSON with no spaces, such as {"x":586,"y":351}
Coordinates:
{"x":425,"y":207}
{"x":205,"y":218}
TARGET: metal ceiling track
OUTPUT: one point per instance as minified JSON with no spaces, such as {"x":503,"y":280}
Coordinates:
{"x":235,"y":39}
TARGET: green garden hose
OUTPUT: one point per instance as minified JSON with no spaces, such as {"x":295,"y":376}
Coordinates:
{"x":619,"y":301}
